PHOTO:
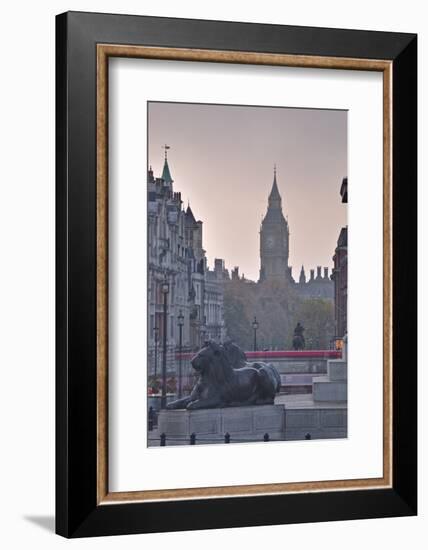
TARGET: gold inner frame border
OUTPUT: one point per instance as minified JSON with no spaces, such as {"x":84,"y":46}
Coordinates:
{"x":104,"y":52}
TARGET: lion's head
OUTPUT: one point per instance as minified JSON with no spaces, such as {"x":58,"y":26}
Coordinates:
{"x":212,"y":362}
{"x":206,"y":356}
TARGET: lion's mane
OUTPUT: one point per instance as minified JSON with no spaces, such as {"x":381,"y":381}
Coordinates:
{"x":217,"y":371}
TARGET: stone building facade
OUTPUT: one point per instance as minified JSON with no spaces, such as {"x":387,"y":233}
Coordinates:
{"x":274,"y":253}
{"x":214,"y":301}
{"x":319,"y":286}
{"x":340,"y":273}
{"x":176,"y":256}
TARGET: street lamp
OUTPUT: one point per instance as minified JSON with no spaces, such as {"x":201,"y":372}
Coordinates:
{"x":165,"y":291}
{"x":255,"y":327}
{"x":156,"y":336}
{"x":180,"y":346}
{"x":338,"y":343}
{"x":203,"y":333}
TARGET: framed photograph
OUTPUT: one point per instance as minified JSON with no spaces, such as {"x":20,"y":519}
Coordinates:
{"x":236,"y":274}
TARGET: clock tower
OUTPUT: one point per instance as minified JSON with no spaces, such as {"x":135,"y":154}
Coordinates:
{"x":274,"y":240}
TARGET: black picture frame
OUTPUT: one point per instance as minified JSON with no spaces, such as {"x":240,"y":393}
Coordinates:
{"x":77,"y":511}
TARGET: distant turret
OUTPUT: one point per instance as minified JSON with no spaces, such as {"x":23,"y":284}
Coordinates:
{"x":235,"y":273}
{"x":150,"y":177}
{"x":166,"y":174}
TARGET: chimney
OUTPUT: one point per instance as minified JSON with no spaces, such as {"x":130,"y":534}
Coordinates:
{"x":319,"y":272}
{"x":326,"y":273}
{"x":218,"y":267}
{"x":312,"y":274}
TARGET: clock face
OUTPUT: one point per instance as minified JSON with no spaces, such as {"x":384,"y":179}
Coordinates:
{"x":270,"y":241}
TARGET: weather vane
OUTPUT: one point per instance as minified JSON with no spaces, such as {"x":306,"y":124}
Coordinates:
{"x":166,"y":147}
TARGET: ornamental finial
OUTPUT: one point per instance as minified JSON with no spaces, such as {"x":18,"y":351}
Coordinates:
{"x":166,"y":147}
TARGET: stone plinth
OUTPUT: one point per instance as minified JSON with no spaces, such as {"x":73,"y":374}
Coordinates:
{"x":211,"y":425}
{"x":334,"y":386}
{"x":321,"y":420}
{"x":324,"y":389}
{"x":337,"y":370}
{"x":318,"y":422}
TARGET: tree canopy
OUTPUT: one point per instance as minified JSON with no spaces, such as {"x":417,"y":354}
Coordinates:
{"x":278,"y":309}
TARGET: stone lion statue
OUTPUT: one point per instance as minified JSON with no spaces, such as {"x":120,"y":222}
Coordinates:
{"x":221,"y":385}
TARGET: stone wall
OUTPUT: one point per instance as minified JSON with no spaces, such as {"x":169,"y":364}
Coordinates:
{"x":210,"y":425}
{"x":319,"y":423}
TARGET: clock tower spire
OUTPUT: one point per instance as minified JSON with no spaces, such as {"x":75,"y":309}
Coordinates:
{"x":274,"y":239}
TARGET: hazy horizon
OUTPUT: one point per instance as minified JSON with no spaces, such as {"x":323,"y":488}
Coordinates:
{"x":221,"y":159}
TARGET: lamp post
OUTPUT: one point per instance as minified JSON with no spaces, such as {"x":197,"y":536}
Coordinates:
{"x":156,"y":335}
{"x":165,"y":291}
{"x":255,"y":327}
{"x":338,"y":343}
{"x":180,"y":346}
{"x":203,"y":333}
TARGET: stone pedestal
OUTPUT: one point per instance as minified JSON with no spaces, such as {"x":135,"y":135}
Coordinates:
{"x":324,"y":415}
{"x":334,"y":386}
{"x":211,"y":425}
{"x":319,"y":422}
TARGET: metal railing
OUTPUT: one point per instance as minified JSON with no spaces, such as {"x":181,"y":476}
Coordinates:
{"x":193,"y":439}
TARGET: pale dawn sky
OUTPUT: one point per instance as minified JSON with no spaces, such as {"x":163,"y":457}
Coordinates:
{"x":221,"y":159}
